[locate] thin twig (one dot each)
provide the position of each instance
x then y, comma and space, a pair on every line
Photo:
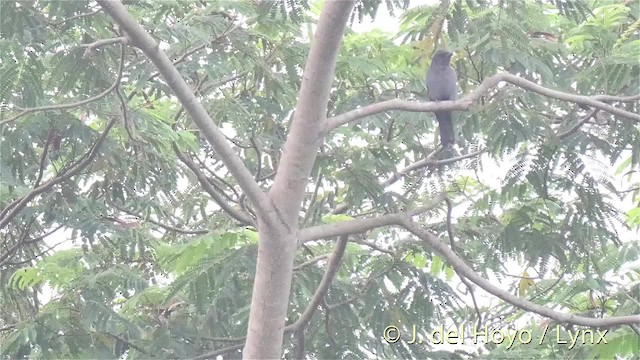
17, 205
72, 105
464, 280
104, 42
239, 215
216, 353
311, 262
579, 124
76, 17
182, 57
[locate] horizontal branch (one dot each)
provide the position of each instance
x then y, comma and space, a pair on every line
404, 220
347, 227
356, 226
465, 103
104, 42
161, 225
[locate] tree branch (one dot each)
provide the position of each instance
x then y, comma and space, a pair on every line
461, 267
65, 106
163, 226
577, 126
327, 278
361, 225
140, 38
428, 161
76, 17
464, 280
465, 103
182, 57
16, 206
216, 353
311, 262
104, 42
374, 246
309, 119
241, 216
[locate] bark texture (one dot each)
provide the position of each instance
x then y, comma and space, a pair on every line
277, 246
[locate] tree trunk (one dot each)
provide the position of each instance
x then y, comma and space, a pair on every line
278, 241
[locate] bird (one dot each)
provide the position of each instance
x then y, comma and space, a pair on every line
441, 82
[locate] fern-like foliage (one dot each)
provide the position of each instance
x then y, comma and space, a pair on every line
134, 256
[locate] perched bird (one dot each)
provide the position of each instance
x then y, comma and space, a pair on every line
441, 83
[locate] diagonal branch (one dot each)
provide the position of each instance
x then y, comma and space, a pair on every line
182, 57
239, 215
8, 253
140, 38
404, 219
318, 296
462, 268
11, 210
329, 274
425, 162
579, 124
310, 262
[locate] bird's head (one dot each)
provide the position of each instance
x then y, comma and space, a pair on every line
442, 57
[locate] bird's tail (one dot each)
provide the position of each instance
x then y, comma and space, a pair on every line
445, 121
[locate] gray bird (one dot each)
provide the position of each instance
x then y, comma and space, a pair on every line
441, 83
